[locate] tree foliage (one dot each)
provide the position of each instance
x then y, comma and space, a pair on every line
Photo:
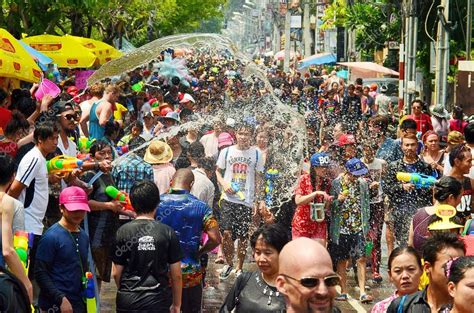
138, 20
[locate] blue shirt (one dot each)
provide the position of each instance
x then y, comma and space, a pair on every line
189, 217
130, 170
57, 247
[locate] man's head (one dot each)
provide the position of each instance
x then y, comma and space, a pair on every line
7, 169
461, 158
196, 151
416, 107
112, 93
409, 145
244, 134
378, 125
306, 278
437, 251
74, 205
408, 126
183, 179
46, 137
144, 197
66, 115
469, 133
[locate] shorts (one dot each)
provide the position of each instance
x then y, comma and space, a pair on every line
349, 247
236, 218
31, 266
192, 299
103, 263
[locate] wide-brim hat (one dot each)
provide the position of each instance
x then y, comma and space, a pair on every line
165, 105
171, 116
158, 152
439, 111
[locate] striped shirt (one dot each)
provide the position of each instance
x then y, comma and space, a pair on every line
32, 173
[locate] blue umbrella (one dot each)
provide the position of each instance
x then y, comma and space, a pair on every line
317, 59
39, 57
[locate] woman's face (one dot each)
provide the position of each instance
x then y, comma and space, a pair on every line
405, 273
463, 292
432, 142
104, 154
262, 140
266, 257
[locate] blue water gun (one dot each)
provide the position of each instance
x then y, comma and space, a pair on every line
419, 180
236, 189
270, 177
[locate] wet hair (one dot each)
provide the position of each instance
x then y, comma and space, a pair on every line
7, 168
110, 128
458, 113
409, 136
380, 121
359, 81
98, 145
446, 186
112, 89
18, 122
459, 267
97, 90
244, 125
408, 124
25, 105
417, 101
401, 250
135, 143
144, 197
427, 134
45, 130
138, 124
469, 133
196, 150
435, 218
209, 164
458, 153
273, 234
438, 242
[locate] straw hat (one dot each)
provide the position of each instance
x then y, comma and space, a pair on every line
158, 152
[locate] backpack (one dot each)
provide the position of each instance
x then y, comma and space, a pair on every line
13, 295
232, 300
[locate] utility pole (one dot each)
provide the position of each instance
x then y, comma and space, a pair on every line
286, 62
410, 43
316, 29
442, 54
469, 30
306, 30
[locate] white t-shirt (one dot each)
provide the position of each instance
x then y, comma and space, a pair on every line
382, 102
375, 172
71, 151
32, 169
203, 188
240, 168
210, 143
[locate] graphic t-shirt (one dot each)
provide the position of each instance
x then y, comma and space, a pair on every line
145, 248
32, 173
241, 167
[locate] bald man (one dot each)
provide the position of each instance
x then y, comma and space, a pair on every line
189, 217
306, 278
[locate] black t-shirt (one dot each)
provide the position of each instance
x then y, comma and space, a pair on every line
145, 248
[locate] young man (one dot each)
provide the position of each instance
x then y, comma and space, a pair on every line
243, 194
350, 213
306, 278
31, 183
145, 252
61, 258
460, 159
13, 219
189, 217
203, 188
437, 251
405, 199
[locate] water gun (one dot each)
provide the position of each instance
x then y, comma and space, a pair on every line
62, 164
91, 304
270, 178
419, 180
236, 189
22, 243
119, 196
84, 144
122, 149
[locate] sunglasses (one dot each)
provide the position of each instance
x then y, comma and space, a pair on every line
311, 282
70, 117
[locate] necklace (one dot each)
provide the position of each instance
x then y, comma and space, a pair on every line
266, 289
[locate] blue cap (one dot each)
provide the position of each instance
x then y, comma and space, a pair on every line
320, 159
356, 167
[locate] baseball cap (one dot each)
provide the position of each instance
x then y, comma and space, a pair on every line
356, 167
224, 140
320, 159
346, 139
74, 199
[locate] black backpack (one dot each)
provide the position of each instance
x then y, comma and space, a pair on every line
13, 295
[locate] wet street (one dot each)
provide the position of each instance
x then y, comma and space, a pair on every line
216, 291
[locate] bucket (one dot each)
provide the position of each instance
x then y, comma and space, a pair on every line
47, 87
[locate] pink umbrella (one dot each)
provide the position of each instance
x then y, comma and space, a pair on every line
280, 55
368, 69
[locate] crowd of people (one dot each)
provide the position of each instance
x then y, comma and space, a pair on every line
122, 181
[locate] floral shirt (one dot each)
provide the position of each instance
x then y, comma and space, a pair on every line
382, 306
351, 221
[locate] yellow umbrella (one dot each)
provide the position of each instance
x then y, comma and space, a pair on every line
65, 51
15, 61
103, 51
